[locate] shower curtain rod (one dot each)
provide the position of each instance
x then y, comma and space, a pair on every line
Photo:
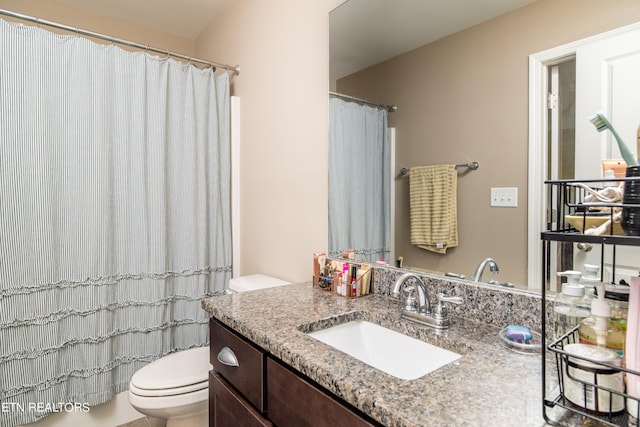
147, 48
389, 108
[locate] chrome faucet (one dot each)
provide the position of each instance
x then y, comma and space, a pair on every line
421, 310
423, 304
493, 266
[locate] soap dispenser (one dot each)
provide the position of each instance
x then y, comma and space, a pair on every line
598, 329
571, 306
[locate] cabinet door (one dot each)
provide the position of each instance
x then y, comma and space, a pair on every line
227, 408
294, 402
247, 376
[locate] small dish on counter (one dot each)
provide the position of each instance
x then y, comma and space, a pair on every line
522, 344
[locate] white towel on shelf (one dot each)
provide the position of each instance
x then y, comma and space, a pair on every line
433, 207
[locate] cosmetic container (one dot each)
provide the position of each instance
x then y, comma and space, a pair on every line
580, 376
618, 298
342, 277
345, 280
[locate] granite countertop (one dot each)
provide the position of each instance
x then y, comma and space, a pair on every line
489, 385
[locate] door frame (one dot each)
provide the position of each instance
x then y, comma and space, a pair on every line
538, 128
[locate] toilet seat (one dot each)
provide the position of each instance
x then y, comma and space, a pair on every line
178, 373
168, 391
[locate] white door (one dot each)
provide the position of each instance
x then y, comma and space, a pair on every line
607, 80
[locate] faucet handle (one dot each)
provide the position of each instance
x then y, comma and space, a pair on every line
453, 300
440, 311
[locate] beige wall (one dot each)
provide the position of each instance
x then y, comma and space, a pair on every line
282, 47
465, 98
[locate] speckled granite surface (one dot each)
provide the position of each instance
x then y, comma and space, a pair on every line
489, 386
493, 305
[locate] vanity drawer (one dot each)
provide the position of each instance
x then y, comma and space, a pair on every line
295, 402
248, 377
228, 408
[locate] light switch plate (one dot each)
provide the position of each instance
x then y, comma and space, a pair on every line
504, 197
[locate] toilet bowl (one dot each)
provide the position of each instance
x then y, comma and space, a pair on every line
175, 387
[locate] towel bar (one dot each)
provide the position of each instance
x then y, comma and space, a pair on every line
472, 166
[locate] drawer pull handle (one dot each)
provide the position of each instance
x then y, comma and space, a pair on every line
226, 356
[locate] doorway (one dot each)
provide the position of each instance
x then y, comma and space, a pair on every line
619, 51
561, 152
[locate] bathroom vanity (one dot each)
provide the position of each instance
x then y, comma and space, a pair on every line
252, 388
286, 377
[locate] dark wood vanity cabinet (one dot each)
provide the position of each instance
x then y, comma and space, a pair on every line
262, 391
292, 401
237, 394
249, 376
228, 408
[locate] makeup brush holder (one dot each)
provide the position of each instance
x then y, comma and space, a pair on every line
630, 221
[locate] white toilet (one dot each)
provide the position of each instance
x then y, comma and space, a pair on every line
253, 282
176, 387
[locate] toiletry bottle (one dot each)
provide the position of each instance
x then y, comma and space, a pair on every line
618, 298
345, 279
598, 329
354, 281
571, 306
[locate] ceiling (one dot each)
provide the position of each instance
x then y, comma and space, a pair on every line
362, 32
184, 18
367, 32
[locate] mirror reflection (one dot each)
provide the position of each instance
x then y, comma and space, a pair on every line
463, 97
359, 180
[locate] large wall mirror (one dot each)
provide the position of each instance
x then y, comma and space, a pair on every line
464, 96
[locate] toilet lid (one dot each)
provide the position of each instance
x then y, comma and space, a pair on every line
177, 370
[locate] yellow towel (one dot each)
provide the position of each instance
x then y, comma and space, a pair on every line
433, 206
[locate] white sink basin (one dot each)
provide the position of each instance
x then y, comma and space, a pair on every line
389, 351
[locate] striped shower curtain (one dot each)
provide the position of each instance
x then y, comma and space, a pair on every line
359, 188
114, 216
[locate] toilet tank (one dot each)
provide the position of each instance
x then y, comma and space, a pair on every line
253, 282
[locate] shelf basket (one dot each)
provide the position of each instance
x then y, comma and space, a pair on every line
571, 213
588, 387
